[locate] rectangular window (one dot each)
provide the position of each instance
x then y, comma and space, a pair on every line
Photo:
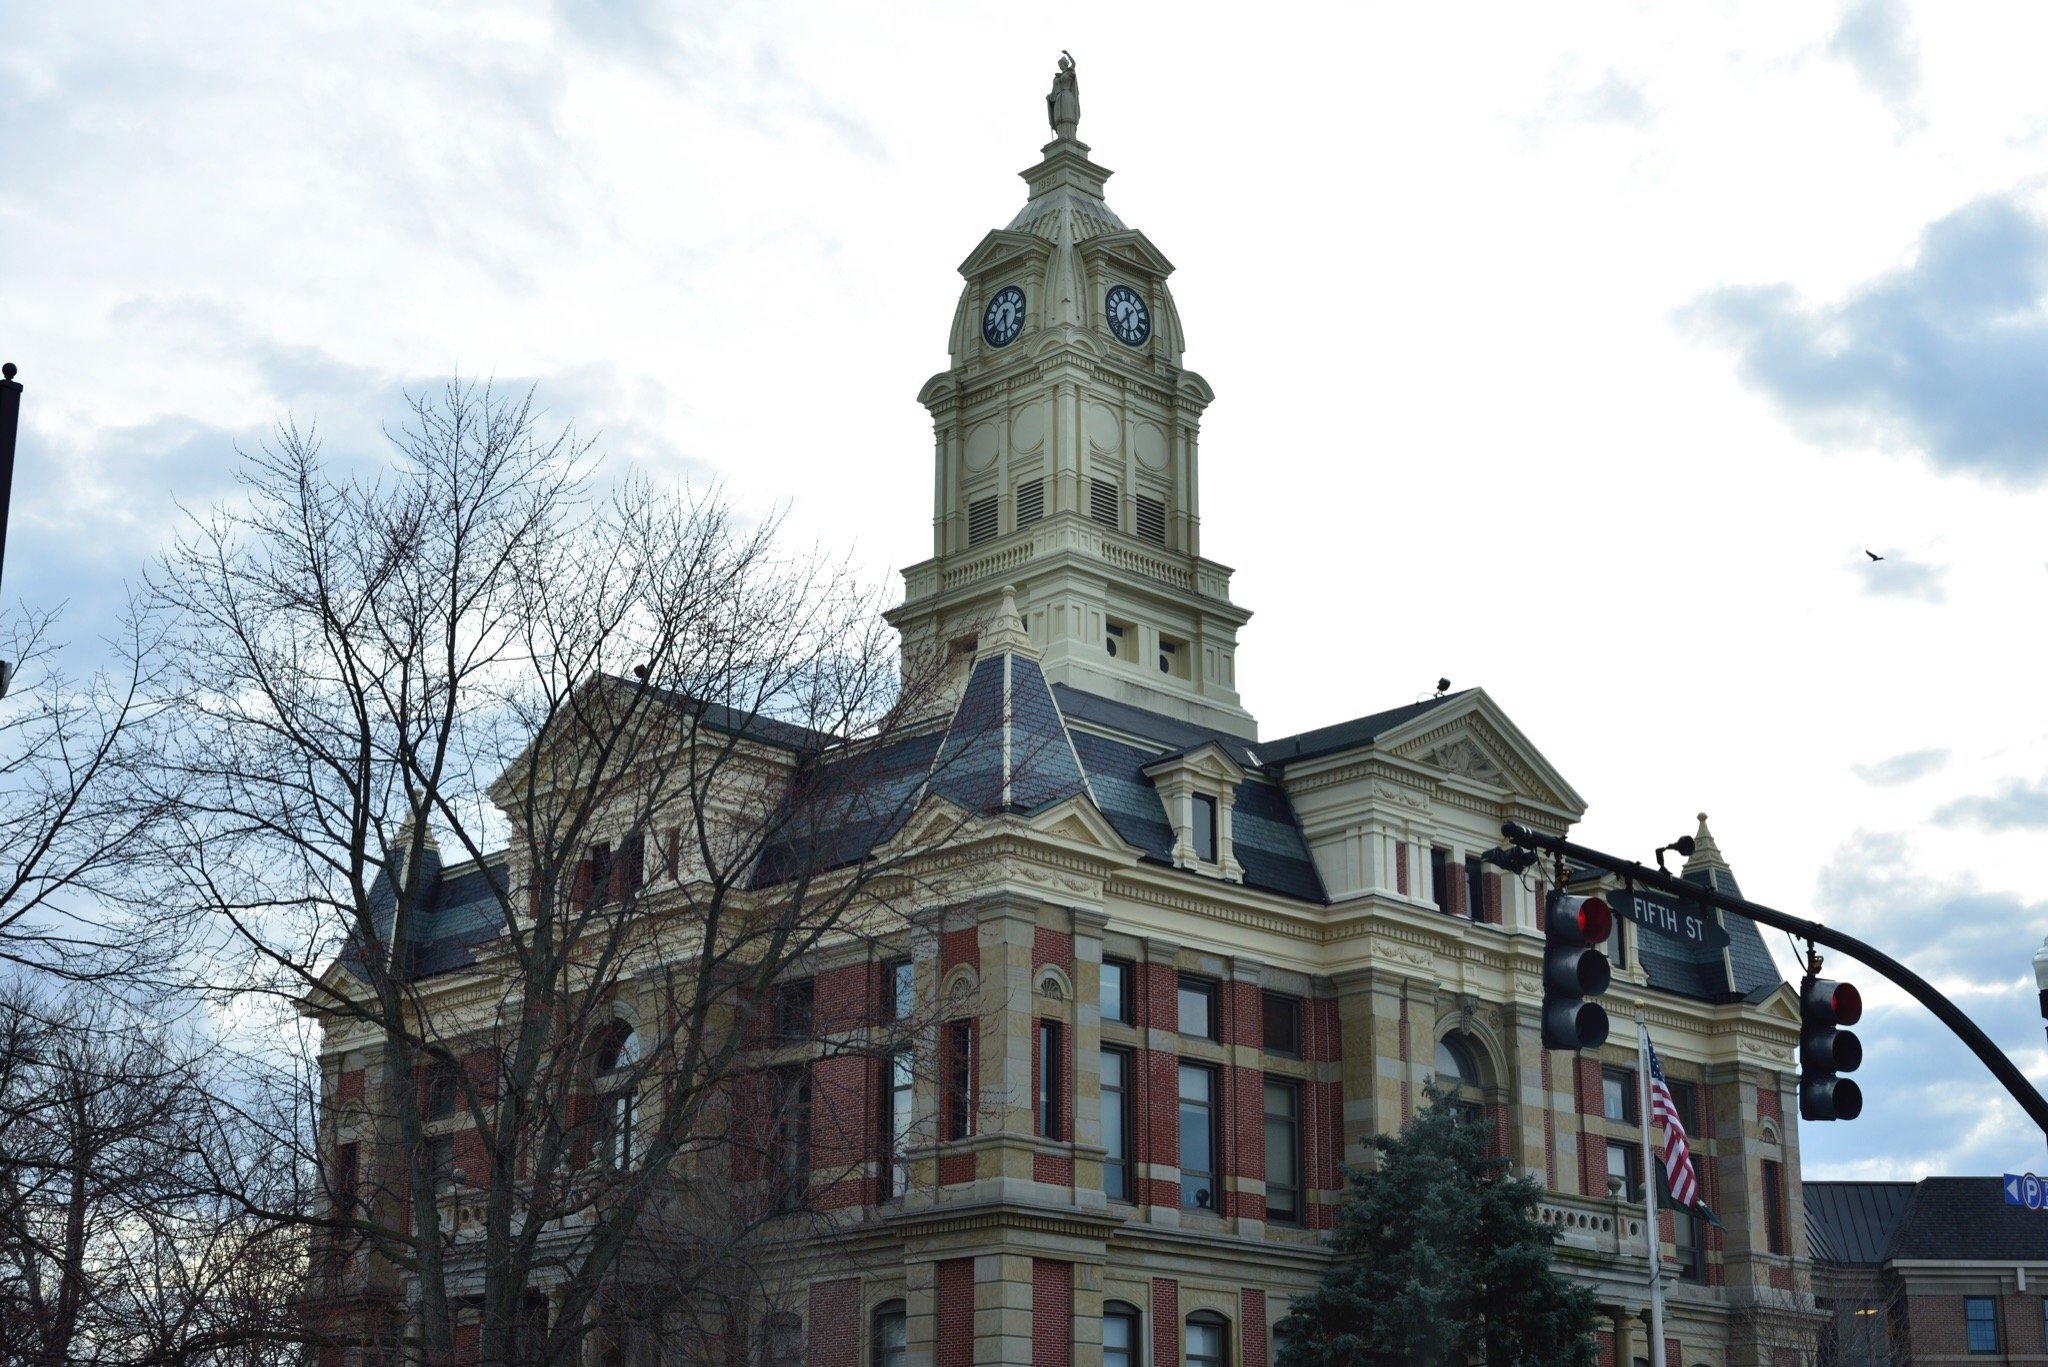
792, 1011
1774, 1206
790, 1150
1116, 639
901, 976
1980, 1323
981, 520
441, 1159
1618, 1094
1205, 828
1102, 501
601, 872
1030, 502
1198, 1008
901, 1081
1623, 1161
1283, 1150
958, 1064
1198, 1136
1475, 887
346, 1181
1280, 1024
1119, 1338
1116, 1125
1692, 1251
1048, 1081
1685, 1097
1173, 657
1440, 879
1116, 991
443, 1090
1151, 519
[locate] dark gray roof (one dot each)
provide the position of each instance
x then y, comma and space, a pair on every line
459, 909
1852, 1222
748, 725
1347, 735
1265, 836
1967, 1219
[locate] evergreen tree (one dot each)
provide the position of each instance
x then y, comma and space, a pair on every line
1440, 1259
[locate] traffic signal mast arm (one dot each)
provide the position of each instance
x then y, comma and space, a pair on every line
1814, 932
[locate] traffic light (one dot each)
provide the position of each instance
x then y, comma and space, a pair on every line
1826, 1049
1574, 929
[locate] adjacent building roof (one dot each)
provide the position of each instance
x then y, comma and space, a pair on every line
1852, 1222
1937, 1219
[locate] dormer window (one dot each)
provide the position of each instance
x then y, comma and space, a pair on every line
1198, 789
1204, 833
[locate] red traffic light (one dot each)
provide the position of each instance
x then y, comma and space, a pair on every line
1596, 922
1848, 1004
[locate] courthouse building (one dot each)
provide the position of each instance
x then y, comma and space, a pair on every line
1198, 967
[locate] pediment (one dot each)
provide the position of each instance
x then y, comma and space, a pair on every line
1473, 741
1208, 760
1078, 822
1001, 248
1130, 247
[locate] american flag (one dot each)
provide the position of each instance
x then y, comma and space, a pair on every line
1685, 1186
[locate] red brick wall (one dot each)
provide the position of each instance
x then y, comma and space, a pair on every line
843, 998
1252, 1320
1052, 1313
1401, 886
1767, 1107
1490, 911
1325, 1042
1049, 946
958, 947
1158, 1129
1322, 1147
1604, 1340
1455, 875
1244, 1138
955, 1347
1936, 1325
1592, 1147
1158, 997
348, 1086
1242, 1021
1165, 1322
957, 1169
834, 1328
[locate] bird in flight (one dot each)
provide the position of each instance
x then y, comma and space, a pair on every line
1873, 554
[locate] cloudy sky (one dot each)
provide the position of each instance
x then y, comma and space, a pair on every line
1576, 352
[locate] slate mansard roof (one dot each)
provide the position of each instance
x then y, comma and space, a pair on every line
1937, 1219
1015, 745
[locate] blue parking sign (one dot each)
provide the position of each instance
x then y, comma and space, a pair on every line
2025, 1189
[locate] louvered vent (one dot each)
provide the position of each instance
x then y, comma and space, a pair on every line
1152, 519
1102, 501
981, 520
1030, 502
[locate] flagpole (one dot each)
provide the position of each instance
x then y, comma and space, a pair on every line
1650, 1236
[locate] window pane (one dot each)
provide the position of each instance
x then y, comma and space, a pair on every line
903, 990
1116, 991
1281, 1024
1621, 1162
1205, 828
1197, 1000
1116, 1158
1049, 1060
1119, 1340
1440, 878
892, 1341
1205, 1344
1981, 1324
902, 1090
1618, 1094
1197, 1137
1283, 1151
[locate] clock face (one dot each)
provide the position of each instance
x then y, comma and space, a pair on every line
1003, 319
1129, 319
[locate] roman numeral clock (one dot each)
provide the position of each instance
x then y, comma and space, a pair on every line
1130, 322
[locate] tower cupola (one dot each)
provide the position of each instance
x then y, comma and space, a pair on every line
1066, 455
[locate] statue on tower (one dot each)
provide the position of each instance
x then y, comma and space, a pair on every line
1063, 104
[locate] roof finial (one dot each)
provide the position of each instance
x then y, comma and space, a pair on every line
1006, 632
1705, 853
1063, 103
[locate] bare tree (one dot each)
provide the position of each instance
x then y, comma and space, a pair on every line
532, 794
72, 814
115, 1243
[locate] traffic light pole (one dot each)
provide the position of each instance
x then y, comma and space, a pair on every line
1813, 932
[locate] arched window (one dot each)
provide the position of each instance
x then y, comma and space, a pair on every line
1208, 1340
1120, 1344
891, 1335
618, 1094
1458, 1075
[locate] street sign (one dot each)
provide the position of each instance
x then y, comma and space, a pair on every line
1696, 926
2025, 1189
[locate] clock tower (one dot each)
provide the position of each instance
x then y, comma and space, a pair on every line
1066, 458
